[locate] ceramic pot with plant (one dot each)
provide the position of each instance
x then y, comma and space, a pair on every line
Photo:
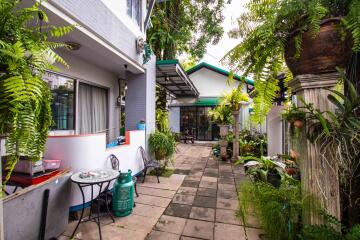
295, 116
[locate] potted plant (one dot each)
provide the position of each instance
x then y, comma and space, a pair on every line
235, 98
263, 169
162, 145
221, 115
295, 116
310, 36
141, 125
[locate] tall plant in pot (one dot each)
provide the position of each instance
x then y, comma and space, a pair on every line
26, 53
162, 145
222, 115
314, 36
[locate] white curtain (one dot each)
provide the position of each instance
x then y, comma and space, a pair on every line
92, 109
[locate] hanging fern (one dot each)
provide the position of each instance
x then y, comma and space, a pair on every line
265, 28
25, 99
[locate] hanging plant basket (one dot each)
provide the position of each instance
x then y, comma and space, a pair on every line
321, 54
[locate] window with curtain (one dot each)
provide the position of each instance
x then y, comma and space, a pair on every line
92, 109
134, 10
63, 105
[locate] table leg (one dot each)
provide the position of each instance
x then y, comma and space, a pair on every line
91, 202
98, 211
106, 202
82, 211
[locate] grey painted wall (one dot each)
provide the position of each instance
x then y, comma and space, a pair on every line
96, 16
140, 98
22, 212
174, 119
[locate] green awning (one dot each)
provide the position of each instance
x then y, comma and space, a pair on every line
207, 102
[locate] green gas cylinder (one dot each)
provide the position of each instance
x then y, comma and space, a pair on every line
123, 195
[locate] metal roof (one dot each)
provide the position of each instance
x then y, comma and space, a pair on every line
171, 76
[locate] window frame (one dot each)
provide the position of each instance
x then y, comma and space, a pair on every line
75, 82
139, 21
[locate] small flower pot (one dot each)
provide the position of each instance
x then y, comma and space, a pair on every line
298, 123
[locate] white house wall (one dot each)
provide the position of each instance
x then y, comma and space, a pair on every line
84, 71
274, 130
210, 83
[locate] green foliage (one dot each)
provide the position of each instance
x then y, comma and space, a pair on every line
180, 26
277, 209
221, 114
162, 144
293, 113
25, 99
162, 120
253, 143
164, 172
235, 97
265, 28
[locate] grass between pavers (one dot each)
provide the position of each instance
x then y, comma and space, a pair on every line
164, 172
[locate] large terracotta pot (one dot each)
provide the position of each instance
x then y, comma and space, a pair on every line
321, 54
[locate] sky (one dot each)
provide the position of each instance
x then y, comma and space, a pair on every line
216, 52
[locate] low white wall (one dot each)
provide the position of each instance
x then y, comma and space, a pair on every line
89, 152
274, 131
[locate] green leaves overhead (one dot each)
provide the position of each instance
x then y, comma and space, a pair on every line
264, 30
25, 99
185, 26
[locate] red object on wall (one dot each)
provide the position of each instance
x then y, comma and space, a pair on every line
26, 180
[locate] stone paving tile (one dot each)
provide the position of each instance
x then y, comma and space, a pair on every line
148, 210
209, 179
227, 204
226, 194
157, 235
183, 199
200, 213
226, 216
227, 187
206, 192
210, 172
153, 200
156, 192
135, 222
182, 171
204, 184
188, 238
198, 229
226, 180
190, 184
198, 174
170, 224
109, 231
178, 210
187, 190
229, 232
207, 202
226, 174
193, 178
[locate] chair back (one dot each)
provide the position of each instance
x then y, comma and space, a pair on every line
115, 163
143, 155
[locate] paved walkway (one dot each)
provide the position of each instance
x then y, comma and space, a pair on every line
205, 204
197, 202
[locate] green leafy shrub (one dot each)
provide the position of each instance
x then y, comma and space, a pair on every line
252, 143
221, 114
162, 144
25, 54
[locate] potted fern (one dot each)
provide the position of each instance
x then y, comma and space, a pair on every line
221, 115
314, 36
294, 116
235, 97
25, 106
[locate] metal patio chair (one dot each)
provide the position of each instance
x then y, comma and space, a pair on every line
115, 164
148, 164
